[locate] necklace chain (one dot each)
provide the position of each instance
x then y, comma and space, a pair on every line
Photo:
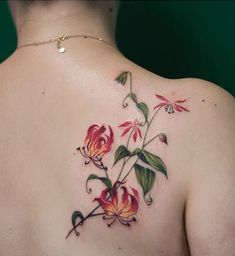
62, 38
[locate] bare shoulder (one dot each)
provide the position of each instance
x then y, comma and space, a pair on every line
212, 108
213, 115
209, 208
209, 128
209, 205
208, 92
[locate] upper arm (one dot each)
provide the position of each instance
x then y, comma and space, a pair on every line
210, 206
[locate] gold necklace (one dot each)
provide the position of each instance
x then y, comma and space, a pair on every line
62, 38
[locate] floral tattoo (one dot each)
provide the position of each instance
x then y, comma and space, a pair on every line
118, 202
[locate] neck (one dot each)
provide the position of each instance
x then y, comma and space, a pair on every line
40, 21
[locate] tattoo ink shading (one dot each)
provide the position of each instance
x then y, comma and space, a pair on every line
118, 202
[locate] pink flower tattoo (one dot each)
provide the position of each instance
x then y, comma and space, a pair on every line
133, 126
170, 106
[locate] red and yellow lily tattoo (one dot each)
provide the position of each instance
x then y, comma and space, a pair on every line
123, 211
97, 143
119, 201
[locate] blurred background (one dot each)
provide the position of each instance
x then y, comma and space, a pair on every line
173, 39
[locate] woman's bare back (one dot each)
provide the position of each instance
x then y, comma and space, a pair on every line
46, 109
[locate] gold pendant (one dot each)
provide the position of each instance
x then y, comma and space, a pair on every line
59, 47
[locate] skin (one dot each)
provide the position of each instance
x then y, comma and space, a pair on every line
47, 102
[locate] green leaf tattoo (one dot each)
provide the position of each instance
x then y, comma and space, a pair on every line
144, 108
136, 151
76, 215
154, 161
121, 152
105, 180
132, 96
145, 178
